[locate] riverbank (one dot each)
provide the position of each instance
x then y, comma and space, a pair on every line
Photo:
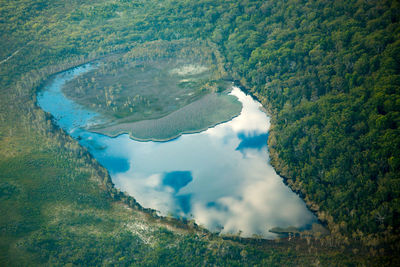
279, 165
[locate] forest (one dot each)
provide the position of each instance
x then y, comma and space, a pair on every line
328, 72
332, 82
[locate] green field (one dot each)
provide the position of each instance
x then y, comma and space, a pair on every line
131, 88
156, 91
206, 112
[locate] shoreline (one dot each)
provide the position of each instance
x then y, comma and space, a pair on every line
150, 139
117, 195
275, 160
116, 129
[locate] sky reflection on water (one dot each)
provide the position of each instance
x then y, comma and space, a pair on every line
220, 177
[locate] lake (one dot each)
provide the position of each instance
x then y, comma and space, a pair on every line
220, 177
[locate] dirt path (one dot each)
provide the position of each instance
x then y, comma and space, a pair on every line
13, 54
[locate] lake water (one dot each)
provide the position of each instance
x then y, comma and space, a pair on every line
220, 177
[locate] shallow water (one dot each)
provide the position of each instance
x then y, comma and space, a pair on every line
220, 177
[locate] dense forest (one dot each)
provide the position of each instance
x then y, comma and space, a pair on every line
327, 71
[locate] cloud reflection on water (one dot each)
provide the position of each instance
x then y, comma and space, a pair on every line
220, 176
232, 185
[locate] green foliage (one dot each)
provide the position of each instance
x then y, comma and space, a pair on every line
206, 112
128, 87
329, 74
327, 70
156, 91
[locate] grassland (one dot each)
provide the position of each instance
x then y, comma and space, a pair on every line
194, 117
166, 90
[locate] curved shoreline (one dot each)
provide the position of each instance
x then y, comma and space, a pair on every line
274, 158
207, 112
117, 195
166, 139
105, 180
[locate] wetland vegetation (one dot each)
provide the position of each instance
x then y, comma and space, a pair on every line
156, 91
